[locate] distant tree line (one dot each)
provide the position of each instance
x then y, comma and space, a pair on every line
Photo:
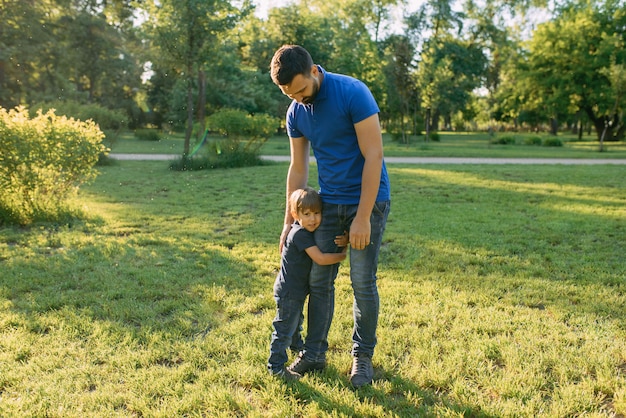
464, 65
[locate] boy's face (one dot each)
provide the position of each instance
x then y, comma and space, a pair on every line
309, 219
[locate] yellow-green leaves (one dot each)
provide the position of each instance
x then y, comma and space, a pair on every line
42, 161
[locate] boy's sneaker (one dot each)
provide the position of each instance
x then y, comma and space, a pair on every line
285, 374
362, 371
301, 365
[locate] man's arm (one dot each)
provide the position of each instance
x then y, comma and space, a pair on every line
370, 141
297, 178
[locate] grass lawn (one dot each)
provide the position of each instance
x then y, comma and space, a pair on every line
450, 145
502, 290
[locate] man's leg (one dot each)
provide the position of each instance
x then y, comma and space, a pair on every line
363, 268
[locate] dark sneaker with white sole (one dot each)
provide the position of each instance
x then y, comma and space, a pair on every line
362, 371
301, 365
285, 374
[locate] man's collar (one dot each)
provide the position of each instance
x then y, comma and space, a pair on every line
322, 92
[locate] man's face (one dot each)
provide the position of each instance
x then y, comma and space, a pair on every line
303, 89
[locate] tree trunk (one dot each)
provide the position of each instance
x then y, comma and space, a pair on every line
427, 124
435, 121
2, 77
598, 123
554, 126
189, 129
201, 99
607, 129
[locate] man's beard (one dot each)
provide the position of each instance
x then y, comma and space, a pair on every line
316, 88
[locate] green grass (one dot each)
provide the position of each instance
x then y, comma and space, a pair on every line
502, 295
451, 145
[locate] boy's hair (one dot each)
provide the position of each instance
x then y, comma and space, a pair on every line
304, 199
289, 61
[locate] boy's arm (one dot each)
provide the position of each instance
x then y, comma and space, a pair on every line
325, 259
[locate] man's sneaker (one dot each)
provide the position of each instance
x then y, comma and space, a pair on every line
301, 365
285, 374
362, 371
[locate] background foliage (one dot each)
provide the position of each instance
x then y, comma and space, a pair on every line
494, 64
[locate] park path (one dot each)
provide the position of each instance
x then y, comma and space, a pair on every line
410, 160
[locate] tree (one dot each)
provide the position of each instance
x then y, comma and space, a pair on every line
23, 38
186, 33
617, 77
56, 50
568, 61
450, 67
401, 94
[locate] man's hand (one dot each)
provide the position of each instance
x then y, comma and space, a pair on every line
360, 233
283, 237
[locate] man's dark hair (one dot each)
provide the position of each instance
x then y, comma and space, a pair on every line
288, 62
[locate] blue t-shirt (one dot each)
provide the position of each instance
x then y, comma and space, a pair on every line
328, 124
295, 264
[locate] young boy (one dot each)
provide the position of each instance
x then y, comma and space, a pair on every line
291, 287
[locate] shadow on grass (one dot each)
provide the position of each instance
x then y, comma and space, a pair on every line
545, 238
388, 391
150, 287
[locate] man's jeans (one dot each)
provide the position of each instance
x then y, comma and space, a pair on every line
363, 265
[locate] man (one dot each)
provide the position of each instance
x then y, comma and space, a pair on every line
338, 116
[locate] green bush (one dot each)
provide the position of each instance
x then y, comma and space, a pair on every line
106, 119
42, 162
243, 134
552, 142
532, 140
434, 136
111, 122
221, 154
247, 131
147, 135
503, 140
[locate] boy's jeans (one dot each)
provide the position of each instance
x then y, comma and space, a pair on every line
363, 265
286, 329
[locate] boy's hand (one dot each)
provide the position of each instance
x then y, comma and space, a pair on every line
342, 240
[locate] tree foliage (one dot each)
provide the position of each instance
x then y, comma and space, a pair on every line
565, 68
172, 63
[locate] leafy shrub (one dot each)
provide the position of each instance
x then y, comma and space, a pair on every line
227, 160
532, 140
503, 140
240, 127
552, 142
244, 135
43, 160
106, 119
434, 136
147, 135
221, 154
111, 122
